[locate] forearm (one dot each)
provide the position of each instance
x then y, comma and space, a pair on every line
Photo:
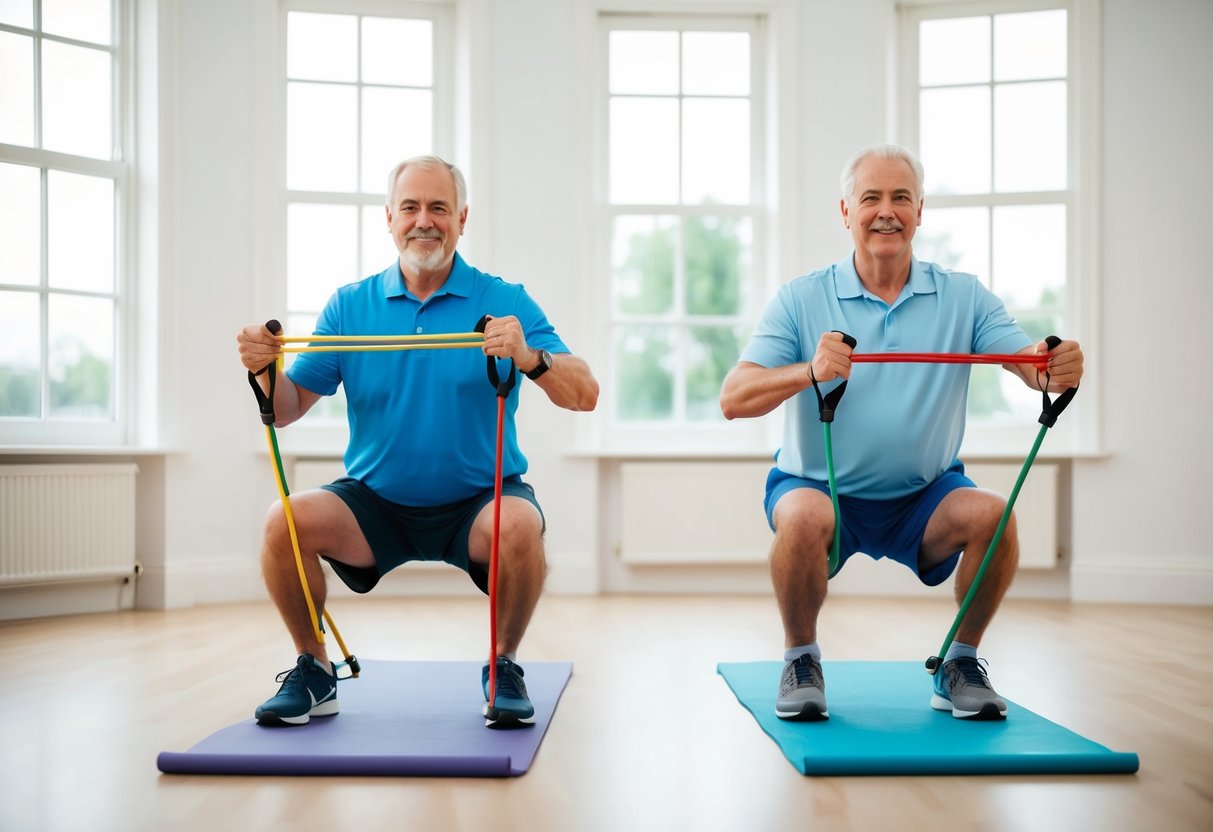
569, 383
751, 390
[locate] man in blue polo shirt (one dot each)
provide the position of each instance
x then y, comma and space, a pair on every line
422, 448
903, 492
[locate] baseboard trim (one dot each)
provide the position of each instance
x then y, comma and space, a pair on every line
1182, 583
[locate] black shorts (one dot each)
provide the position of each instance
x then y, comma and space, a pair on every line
398, 534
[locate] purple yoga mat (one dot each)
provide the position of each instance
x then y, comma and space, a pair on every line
397, 718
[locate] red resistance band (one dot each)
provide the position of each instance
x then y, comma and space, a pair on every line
1041, 362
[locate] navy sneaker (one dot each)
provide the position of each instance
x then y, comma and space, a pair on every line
802, 691
307, 690
511, 708
962, 687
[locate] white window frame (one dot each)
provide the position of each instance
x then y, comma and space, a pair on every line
1077, 432
610, 436
46, 430
329, 437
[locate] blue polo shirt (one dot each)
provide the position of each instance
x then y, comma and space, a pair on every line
898, 426
423, 423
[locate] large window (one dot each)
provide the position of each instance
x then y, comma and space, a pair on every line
682, 221
364, 89
64, 285
990, 100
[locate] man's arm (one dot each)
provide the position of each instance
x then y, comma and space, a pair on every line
569, 383
258, 348
1065, 366
753, 390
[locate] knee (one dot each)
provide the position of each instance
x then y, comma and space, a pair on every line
276, 532
522, 535
803, 526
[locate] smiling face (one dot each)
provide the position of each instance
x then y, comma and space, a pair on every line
424, 219
883, 210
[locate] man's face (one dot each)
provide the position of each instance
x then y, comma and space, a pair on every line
422, 218
884, 210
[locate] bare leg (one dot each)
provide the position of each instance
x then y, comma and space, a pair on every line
966, 521
804, 530
324, 523
521, 566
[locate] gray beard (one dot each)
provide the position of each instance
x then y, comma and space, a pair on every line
423, 262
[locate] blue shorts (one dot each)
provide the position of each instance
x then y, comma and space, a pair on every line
882, 528
398, 534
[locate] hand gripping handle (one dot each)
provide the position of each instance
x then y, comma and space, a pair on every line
828, 403
265, 403
1052, 408
503, 387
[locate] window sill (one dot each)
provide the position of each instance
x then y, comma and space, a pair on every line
82, 450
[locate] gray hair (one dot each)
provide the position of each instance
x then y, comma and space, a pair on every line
884, 151
431, 163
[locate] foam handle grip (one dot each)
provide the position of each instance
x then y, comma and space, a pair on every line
1052, 341
273, 326
849, 340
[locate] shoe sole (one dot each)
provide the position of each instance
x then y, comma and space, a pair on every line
809, 712
500, 718
329, 708
988, 712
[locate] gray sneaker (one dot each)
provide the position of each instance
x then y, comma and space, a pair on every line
962, 687
802, 691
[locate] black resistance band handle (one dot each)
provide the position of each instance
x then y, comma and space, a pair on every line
1051, 409
828, 403
266, 403
503, 388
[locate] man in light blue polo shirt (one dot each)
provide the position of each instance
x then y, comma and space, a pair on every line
903, 492
421, 457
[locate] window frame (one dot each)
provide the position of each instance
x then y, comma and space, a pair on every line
609, 434
330, 436
1078, 433
120, 429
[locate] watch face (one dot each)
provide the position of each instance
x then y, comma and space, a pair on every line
545, 364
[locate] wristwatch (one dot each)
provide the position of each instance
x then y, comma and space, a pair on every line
545, 364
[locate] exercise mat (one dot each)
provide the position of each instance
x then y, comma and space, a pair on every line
881, 723
397, 718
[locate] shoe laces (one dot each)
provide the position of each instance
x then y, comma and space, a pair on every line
509, 680
807, 671
971, 671
295, 674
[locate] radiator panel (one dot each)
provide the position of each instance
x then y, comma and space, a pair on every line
66, 523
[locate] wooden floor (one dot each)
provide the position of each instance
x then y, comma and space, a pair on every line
646, 737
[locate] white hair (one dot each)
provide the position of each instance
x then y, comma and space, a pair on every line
884, 151
431, 163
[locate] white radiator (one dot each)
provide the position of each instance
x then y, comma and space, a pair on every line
66, 523
693, 512
711, 512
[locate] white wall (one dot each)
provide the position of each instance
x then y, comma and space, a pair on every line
1132, 517
1139, 521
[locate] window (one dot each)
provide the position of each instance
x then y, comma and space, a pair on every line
990, 102
682, 222
364, 89
64, 284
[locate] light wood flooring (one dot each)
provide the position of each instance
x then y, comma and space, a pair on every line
646, 737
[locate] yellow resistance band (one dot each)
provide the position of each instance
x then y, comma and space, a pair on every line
381, 343
333, 343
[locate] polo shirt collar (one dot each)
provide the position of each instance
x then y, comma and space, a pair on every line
458, 282
921, 281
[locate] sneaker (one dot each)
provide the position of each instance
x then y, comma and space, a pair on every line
802, 691
307, 690
962, 687
511, 708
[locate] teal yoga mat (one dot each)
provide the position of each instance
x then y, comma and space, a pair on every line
881, 723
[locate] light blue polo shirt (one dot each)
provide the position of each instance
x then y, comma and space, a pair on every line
898, 426
423, 423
